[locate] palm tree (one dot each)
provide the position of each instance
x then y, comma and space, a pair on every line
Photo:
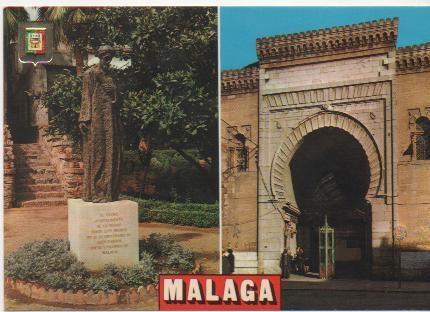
71, 26
11, 17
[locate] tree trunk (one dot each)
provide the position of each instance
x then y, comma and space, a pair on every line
79, 57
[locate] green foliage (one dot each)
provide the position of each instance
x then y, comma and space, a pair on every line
63, 100
143, 273
168, 93
37, 259
75, 277
170, 256
50, 262
201, 215
174, 178
104, 283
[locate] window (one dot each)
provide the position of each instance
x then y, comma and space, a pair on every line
422, 138
422, 147
238, 151
242, 158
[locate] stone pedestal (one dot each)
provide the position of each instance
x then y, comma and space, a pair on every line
101, 233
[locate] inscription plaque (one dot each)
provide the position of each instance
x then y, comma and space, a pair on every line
101, 233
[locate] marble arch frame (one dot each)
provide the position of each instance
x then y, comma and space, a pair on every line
280, 174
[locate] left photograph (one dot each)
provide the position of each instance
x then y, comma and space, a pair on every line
110, 153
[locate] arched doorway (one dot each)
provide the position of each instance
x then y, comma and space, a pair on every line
331, 176
328, 162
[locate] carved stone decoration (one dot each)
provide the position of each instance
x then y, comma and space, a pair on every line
414, 114
100, 125
281, 183
318, 96
239, 81
413, 58
328, 41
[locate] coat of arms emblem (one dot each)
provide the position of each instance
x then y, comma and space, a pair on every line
35, 42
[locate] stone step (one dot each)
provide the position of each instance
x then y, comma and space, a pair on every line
36, 176
61, 201
31, 158
54, 187
30, 150
33, 161
21, 196
36, 180
36, 169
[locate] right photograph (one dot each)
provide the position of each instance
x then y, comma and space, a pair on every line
325, 152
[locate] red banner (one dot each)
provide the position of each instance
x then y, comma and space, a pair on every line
219, 292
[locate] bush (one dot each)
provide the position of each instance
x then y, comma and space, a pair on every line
104, 283
169, 255
201, 215
38, 259
50, 262
75, 277
174, 178
63, 99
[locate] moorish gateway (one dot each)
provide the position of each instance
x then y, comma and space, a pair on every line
326, 151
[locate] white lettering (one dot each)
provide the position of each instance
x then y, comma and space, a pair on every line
194, 292
229, 291
210, 295
247, 294
265, 291
173, 289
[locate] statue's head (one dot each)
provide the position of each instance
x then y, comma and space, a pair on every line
105, 53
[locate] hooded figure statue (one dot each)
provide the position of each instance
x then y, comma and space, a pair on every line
100, 125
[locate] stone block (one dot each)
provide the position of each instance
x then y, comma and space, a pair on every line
101, 233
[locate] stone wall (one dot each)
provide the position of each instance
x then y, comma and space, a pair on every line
9, 169
68, 164
239, 114
295, 99
413, 101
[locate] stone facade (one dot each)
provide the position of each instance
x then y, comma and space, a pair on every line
240, 117
349, 78
413, 102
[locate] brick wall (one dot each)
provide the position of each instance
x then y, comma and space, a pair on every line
413, 100
9, 168
239, 189
68, 164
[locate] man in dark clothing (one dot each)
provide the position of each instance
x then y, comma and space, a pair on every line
230, 257
285, 263
226, 266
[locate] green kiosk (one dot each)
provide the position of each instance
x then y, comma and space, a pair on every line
326, 251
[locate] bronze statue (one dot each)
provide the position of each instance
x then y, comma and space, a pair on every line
99, 123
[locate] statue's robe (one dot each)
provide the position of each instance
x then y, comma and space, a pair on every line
102, 147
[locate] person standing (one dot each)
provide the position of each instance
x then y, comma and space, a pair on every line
230, 257
285, 263
300, 260
226, 266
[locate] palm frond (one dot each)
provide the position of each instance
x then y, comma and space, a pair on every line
12, 16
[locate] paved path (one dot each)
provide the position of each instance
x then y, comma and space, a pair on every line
297, 282
353, 300
22, 225
306, 293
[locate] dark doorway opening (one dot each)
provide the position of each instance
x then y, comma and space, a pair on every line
331, 176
